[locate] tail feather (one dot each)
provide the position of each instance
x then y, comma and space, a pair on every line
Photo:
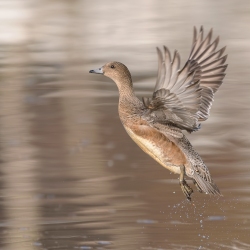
206, 186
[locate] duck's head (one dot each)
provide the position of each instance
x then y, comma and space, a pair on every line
116, 71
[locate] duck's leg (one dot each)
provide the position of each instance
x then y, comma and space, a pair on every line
197, 186
184, 186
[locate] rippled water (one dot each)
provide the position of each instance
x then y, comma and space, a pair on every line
70, 176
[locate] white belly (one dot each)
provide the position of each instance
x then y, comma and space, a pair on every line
152, 150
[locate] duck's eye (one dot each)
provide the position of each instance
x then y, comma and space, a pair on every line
112, 66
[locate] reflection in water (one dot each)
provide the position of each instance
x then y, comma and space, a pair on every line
71, 178
20, 209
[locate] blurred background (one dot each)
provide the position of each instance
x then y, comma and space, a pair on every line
70, 177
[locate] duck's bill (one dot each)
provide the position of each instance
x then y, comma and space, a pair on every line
96, 71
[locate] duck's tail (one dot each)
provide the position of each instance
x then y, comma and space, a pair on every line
206, 186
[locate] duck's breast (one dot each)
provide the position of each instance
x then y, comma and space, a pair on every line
158, 146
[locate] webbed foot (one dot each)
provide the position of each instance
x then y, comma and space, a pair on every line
184, 186
197, 186
186, 189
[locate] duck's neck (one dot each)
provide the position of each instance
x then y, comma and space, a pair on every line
129, 104
126, 92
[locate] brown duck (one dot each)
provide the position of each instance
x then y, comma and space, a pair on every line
182, 98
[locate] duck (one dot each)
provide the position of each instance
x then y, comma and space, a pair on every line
181, 100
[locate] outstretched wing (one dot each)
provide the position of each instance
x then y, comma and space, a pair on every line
183, 97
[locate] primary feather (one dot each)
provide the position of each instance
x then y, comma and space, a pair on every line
183, 97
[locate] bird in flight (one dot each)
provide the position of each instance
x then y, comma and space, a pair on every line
182, 98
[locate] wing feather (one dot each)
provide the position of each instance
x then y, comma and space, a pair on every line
168, 67
183, 97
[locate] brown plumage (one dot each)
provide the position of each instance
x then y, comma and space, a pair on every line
182, 98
